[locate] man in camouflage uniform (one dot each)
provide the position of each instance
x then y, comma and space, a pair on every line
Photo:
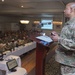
65, 53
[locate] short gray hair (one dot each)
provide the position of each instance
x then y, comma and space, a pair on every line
72, 5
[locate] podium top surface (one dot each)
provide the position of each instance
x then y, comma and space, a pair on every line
44, 40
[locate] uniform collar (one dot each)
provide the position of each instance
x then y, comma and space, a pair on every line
70, 21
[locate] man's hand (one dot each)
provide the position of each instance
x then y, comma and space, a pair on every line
54, 36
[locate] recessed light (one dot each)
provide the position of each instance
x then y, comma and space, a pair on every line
22, 6
2, 0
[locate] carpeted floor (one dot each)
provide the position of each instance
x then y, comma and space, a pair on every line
52, 67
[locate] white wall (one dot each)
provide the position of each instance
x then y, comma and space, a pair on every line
8, 23
14, 26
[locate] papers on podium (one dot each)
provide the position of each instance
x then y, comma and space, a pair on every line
45, 40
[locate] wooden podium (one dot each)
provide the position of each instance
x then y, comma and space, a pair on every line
41, 51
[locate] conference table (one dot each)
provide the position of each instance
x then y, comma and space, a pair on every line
19, 69
15, 55
3, 65
21, 49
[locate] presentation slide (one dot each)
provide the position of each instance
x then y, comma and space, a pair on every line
47, 24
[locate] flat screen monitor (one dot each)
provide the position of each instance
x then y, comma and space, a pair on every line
47, 24
12, 64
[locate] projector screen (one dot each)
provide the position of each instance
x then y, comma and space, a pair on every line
46, 24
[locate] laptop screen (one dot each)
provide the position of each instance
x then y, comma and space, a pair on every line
11, 64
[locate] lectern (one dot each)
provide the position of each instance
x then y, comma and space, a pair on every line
41, 51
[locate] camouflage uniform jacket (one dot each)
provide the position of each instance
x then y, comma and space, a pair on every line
66, 43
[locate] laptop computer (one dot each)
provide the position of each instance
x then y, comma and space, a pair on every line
12, 64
